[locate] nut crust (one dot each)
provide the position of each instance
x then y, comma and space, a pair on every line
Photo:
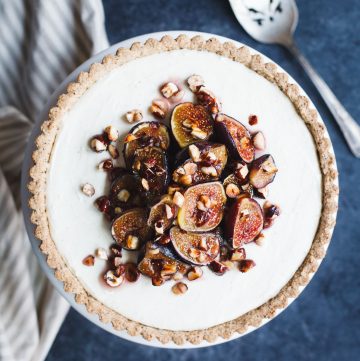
45, 142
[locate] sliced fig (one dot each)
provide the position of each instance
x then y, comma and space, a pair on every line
151, 165
244, 221
130, 229
191, 123
263, 171
235, 136
162, 215
203, 207
145, 134
158, 262
206, 163
195, 248
124, 191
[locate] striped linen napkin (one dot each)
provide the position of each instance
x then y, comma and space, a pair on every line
41, 41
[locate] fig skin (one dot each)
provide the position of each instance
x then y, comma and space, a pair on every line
194, 114
191, 219
243, 221
190, 246
155, 257
131, 222
263, 171
151, 164
235, 136
148, 134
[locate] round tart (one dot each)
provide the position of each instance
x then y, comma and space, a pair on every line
70, 227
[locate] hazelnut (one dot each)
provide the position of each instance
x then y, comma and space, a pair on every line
194, 152
186, 180
228, 264
172, 189
207, 98
206, 200
106, 165
157, 281
123, 195
178, 199
187, 123
169, 89
89, 261
203, 244
181, 171
177, 276
259, 141
132, 242
253, 119
154, 251
179, 288
101, 253
190, 168
195, 82
159, 227
238, 254
259, 240
198, 133
112, 133
201, 206
245, 265
159, 108
117, 263
241, 172
169, 212
114, 153
112, 279
194, 273
211, 157
116, 249
168, 269
209, 171
145, 184
134, 115
232, 190
119, 268
97, 145
117, 210
88, 189
194, 253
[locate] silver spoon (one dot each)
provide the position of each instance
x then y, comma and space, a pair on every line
274, 22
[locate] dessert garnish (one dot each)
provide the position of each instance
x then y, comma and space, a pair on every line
189, 196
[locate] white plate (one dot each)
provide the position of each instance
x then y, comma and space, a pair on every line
25, 194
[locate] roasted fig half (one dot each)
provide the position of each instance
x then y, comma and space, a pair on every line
195, 248
162, 215
191, 123
206, 163
235, 136
151, 165
243, 222
158, 262
263, 171
145, 134
203, 207
130, 229
124, 191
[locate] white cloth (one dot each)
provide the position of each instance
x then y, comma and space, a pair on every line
41, 41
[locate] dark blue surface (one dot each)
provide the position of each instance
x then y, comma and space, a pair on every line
324, 322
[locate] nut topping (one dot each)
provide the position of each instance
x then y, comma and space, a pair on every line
101, 253
238, 254
159, 227
132, 242
178, 199
232, 190
259, 240
169, 89
98, 145
145, 184
169, 212
186, 180
89, 261
209, 171
114, 153
195, 82
123, 195
159, 108
88, 189
112, 133
168, 269
253, 119
106, 165
190, 168
179, 288
134, 115
198, 133
116, 249
194, 273
207, 98
177, 276
112, 279
201, 206
245, 265
157, 281
259, 141
194, 152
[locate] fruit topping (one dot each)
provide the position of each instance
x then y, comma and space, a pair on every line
89, 261
194, 273
179, 288
151, 165
208, 99
243, 222
191, 123
263, 171
195, 248
134, 115
206, 163
245, 265
112, 279
162, 215
178, 199
159, 108
259, 141
130, 229
195, 82
235, 136
203, 206
145, 134
253, 119
88, 189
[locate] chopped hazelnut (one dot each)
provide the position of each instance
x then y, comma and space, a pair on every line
112, 279
145, 184
88, 189
187, 124
259, 240
177, 276
178, 199
98, 145
159, 108
206, 200
253, 119
195, 82
232, 190
186, 180
201, 206
112, 133
172, 189
168, 269
179, 288
101, 253
89, 261
169, 89
114, 153
194, 152
134, 115
238, 254
190, 168
194, 273
169, 212
132, 242
203, 244
209, 171
106, 165
245, 265
259, 141
123, 195
198, 133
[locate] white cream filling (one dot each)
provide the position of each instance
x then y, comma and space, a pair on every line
78, 228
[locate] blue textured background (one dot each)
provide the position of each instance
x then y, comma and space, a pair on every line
324, 323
